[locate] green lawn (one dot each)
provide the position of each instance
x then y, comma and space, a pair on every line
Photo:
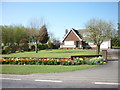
30, 69
51, 53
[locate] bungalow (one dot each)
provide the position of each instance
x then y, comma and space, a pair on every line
75, 39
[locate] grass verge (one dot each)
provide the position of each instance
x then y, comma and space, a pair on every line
51, 53
30, 69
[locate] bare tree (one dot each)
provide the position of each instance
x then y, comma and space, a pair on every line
34, 31
51, 36
99, 30
36, 23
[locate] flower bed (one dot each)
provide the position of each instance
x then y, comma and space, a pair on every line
54, 61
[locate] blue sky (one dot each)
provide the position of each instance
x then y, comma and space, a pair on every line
58, 15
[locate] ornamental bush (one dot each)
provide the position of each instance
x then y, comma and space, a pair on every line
95, 60
6, 50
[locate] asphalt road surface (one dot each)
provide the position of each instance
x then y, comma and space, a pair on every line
103, 76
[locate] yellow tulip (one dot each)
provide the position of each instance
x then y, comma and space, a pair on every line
104, 62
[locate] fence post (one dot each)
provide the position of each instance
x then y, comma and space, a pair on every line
104, 54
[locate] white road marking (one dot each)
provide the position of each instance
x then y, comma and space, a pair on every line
48, 81
107, 83
10, 78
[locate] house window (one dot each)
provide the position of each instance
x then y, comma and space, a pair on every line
69, 43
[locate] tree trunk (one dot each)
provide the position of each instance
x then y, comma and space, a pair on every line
98, 49
36, 50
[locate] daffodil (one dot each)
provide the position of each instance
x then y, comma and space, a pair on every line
104, 62
81, 59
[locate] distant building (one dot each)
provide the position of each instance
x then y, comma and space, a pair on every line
75, 39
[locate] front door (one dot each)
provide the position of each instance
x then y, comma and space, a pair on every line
78, 44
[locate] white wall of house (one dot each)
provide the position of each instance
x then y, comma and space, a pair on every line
106, 44
68, 42
67, 46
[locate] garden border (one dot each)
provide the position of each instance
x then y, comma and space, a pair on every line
81, 56
73, 60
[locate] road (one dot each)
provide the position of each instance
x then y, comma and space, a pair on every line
103, 76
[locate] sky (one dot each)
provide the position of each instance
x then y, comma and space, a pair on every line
58, 15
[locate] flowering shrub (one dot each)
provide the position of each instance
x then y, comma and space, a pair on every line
53, 61
79, 61
90, 60
96, 60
